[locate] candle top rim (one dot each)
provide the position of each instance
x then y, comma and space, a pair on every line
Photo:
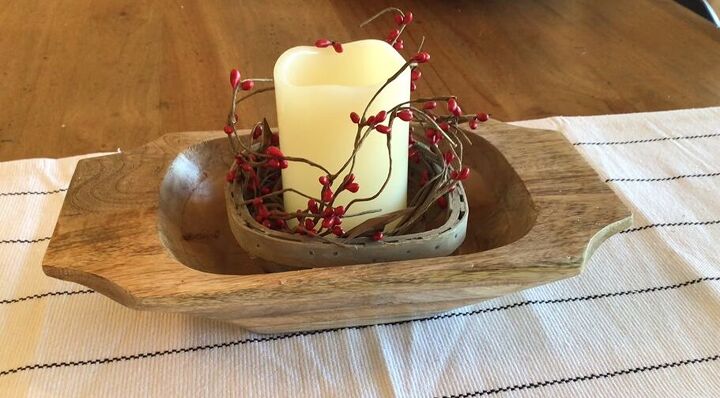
369, 52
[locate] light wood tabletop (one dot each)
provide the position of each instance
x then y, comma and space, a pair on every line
86, 76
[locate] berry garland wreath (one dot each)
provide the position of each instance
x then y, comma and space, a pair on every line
438, 132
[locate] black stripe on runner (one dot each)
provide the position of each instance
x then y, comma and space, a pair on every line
635, 229
47, 294
33, 192
287, 336
662, 178
687, 137
592, 376
670, 224
25, 240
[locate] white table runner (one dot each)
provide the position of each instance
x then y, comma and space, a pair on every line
642, 320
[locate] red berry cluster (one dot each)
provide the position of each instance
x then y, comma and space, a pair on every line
328, 219
437, 128
373, 121
321, 216
235, 77
237, 83
259, 175
276, 159
401, 20
415, 74
480, 117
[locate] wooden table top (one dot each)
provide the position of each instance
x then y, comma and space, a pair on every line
83, 76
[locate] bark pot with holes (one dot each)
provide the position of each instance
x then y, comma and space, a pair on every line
441, 233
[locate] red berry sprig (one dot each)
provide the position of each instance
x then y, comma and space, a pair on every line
405, 115
381, 128
350, 184
338, 231
480, 117
393, 35
313, 206
461, 175
415, 74
274, 152
402, 20
430, 105
408, 18
234, 78
421, 57
354, 117
327, 195
247, 85
453, 107
323, 43
433, 136
353, 187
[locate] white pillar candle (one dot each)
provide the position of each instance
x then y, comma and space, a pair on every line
316, 89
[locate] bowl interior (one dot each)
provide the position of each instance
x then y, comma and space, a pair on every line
194, 226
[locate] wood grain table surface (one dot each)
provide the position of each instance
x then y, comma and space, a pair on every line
715, 5
80, 76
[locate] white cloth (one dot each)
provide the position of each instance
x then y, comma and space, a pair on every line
642, 320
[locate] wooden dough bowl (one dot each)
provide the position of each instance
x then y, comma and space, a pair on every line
148, 228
